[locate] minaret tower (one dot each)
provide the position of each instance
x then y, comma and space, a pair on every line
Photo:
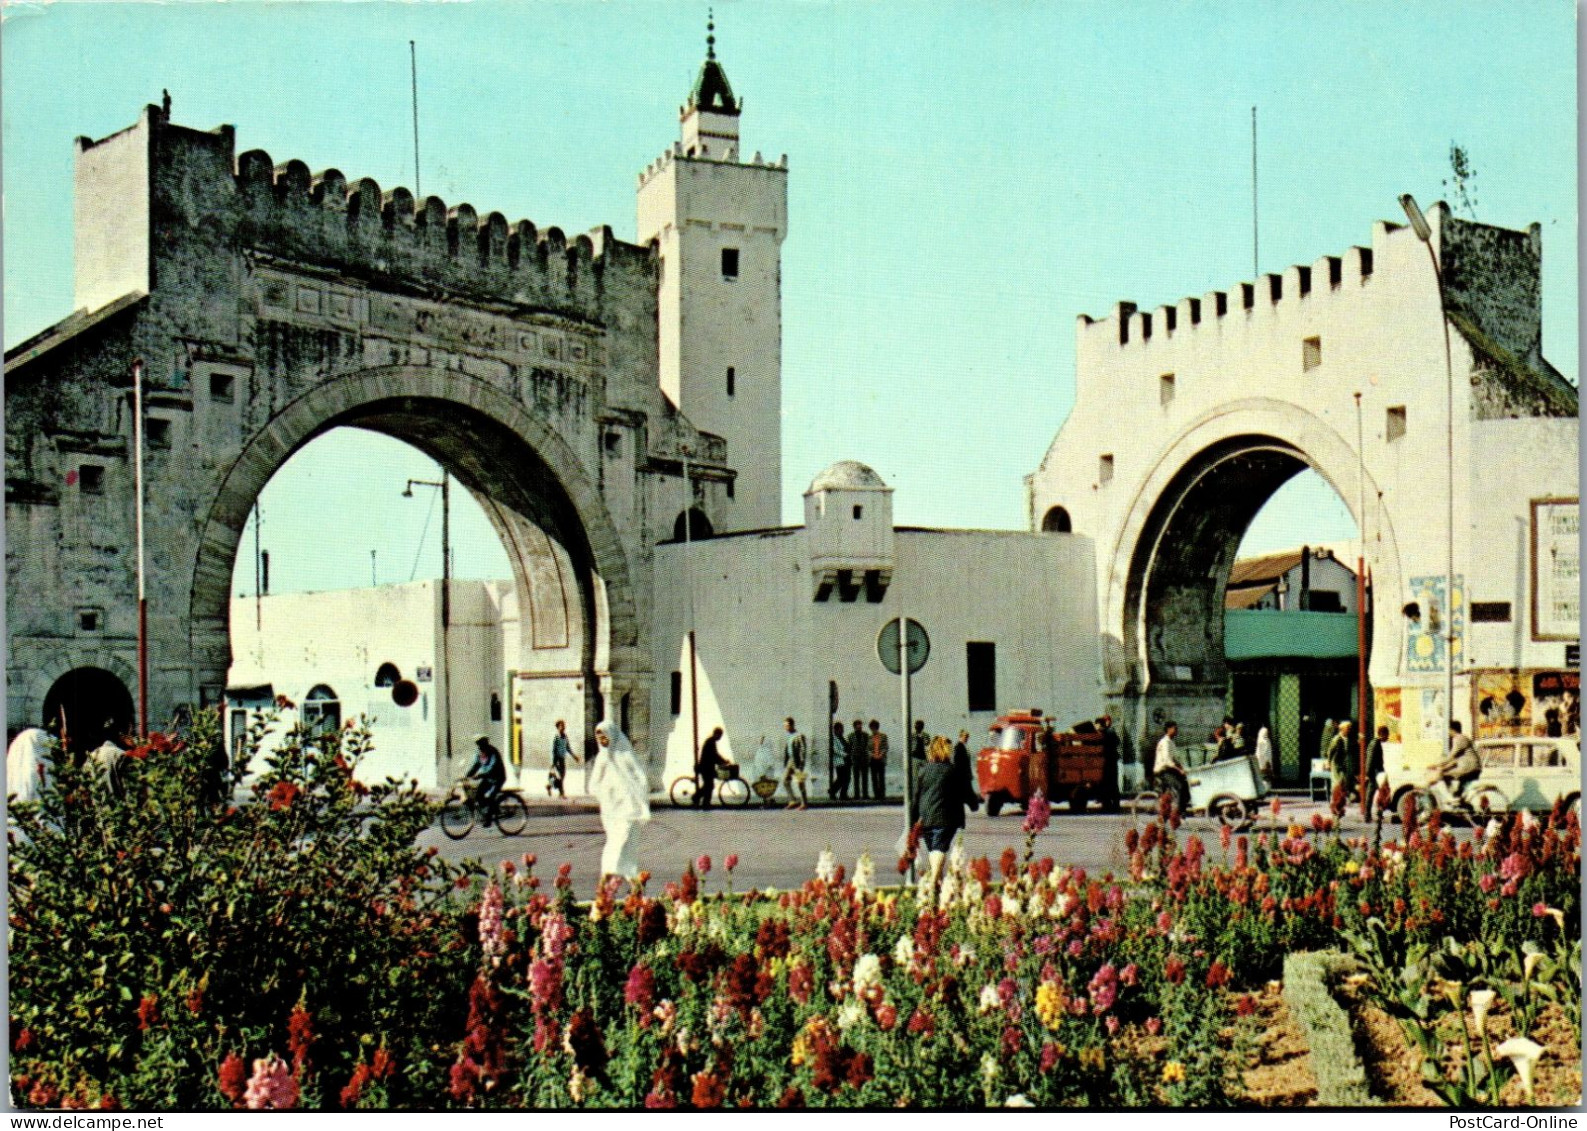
720, 222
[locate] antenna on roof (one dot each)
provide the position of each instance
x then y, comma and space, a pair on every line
413, 63
1255, 246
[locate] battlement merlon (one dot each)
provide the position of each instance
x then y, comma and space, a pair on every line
1491, 290
152, 187
676, 153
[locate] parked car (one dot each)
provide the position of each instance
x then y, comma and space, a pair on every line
1067, 766
1519, 772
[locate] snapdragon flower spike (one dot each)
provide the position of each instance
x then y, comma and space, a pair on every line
1037, 814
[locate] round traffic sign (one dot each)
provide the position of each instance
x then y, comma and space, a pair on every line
917, 646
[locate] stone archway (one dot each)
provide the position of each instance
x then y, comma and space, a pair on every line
579, 614
1168, 564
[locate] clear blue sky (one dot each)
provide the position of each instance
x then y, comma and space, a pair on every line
964, 181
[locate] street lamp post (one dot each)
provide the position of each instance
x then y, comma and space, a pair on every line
143, 601
1425, 233
445, 681
1362, 730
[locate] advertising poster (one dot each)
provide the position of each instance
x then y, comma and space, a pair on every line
1556, 703
1387, 710
1501, 704
1424, 638
1556, 569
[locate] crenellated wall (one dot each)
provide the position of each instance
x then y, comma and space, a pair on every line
1189, 416
269, 304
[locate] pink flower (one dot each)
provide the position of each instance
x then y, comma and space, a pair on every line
731, 862
886, 1016
640, 992
1488, 882
1539, 910
1104, 988
492, 932
1130, 974
703, 865
1037, 814
555, 934
1154, 1025
271, 1088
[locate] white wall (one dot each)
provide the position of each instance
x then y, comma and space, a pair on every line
767, 649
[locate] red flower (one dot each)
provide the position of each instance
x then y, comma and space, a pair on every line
731, 862
703, 864
921, 1024
354, 1090
233, 1078
24, 1040
791, 1099
708, 1091
862, 1070
148, 1011
300, 1035
886, 1016
1007, 864
981, 869
1174, 969
652, 923
584, 1039
1218, 975
282, 795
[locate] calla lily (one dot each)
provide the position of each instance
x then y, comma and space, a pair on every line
1017, 1100
1481, 1002
1529, 964
1522, 1053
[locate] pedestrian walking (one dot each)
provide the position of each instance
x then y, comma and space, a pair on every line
794, 751
965, 765
943, 790
705, 770
491, 771
1167, 769
878, 762
1341, 763
620, 785
28, 763
838, 756
860, 761
1264, 752
1109, 796
1374, 767
561, 751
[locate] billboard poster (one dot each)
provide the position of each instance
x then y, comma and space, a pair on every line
1556, 569
1501, 704
1556, 703
1424, 638
1386, 712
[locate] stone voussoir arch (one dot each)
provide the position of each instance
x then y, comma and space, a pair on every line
1248, 424
338, 401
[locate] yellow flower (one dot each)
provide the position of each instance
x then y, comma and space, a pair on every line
1173, 1072
1093, 1058
1050, 1004
1351, 867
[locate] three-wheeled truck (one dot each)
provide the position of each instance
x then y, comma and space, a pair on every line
1025, 756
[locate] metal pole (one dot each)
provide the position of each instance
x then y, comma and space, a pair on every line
258, 571
1449, 527
413, 61
688, 566
446, 607
904, 744
1255, 246
143, 602
372, 582
1361, 610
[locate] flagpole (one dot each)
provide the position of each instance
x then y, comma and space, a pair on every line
143, 602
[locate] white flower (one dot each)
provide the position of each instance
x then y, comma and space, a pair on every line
850, 1014
904, 950
867, 972
966, 955
949, 889
1017, 1100
1011, 905
1481, 1002
1033, 906
1063, 905
1529, 963
957, 858
990, 1069
826, 866
864, 873
1528, 820
990, 999
1522, 1053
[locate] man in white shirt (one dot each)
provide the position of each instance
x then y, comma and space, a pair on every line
1169, 773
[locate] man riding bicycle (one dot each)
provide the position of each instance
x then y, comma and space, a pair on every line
1168, 773
491, 771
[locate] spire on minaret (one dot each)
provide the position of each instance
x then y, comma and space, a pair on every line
711, 91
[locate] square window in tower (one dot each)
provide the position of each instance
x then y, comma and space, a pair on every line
732, 381
730, 263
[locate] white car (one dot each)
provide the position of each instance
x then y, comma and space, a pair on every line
1528, 772
1520, 772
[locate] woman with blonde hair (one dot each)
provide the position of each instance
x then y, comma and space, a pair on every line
942, 791
620, 785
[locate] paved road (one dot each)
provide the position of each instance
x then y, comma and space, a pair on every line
778, 847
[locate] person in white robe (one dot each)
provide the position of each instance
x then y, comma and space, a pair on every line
623, 790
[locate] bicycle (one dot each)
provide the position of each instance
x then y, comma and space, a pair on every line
462, 809
731, 789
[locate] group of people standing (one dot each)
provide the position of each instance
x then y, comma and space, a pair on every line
859, 761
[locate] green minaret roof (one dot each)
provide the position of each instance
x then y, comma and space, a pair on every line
711, 90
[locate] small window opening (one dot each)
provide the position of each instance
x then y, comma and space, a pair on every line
731, 380
88, 620
1056, 521
221, 387
730, 488
677, 693
1491, 612
1105, 468
157, 433
614, 442
322, 711
91, 479
1165, 388
387, 675
1311, 353
730, 263
859, 512
1394, 423
495, 706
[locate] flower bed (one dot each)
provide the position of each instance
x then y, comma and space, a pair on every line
297, 951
